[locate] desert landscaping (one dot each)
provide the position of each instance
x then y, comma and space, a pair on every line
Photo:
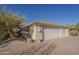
61, 46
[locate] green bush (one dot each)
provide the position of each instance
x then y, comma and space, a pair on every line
8, 21
74, 33
2, 38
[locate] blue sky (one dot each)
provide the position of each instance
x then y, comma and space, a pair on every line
62, 14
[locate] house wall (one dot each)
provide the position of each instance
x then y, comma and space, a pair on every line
34, 32
65, 32
40, 33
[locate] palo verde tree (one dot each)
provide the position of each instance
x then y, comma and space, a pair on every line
8, 21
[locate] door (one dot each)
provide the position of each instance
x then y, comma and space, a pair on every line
51, 33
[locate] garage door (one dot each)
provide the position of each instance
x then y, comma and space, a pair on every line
51, 33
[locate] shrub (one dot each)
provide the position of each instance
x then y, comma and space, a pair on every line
8, 21
73, 33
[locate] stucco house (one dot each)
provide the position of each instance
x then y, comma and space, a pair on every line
44, 30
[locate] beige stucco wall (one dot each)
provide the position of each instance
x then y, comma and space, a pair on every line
48, 33
63, 32
34, 32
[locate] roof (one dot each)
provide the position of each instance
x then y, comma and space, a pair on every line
47, 24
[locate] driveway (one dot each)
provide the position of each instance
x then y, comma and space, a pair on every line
60, 46
66, 46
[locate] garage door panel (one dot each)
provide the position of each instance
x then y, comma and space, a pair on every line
50, 33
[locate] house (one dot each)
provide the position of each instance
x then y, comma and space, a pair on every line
44, 31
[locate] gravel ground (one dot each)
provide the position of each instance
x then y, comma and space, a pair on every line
61, 46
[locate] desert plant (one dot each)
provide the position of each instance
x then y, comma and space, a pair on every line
8, 21
73, 33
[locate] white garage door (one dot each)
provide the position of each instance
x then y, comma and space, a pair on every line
51, 33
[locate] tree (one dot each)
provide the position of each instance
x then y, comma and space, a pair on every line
8, 21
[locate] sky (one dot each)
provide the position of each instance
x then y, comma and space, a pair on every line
58, 13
